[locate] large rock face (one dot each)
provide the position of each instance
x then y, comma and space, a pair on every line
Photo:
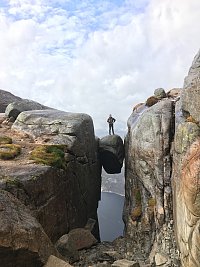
23, 242
5, 99
163, 160
148, 204
15, 108
111, 150
186, 169
61, 199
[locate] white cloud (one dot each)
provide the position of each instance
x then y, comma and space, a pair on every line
98, 58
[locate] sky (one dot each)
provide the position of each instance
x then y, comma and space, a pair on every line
98, 57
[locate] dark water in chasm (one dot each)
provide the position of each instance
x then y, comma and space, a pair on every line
110, 216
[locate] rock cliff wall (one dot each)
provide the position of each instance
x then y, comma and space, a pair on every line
60, 198
162, 148
186, 169
148, 205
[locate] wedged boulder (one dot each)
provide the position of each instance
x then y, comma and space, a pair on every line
61, 198
6, 98
15, 108
111, 150
191, 91
23, 242
148, 196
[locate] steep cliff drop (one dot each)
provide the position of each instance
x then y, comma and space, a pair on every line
56, 174
148, 211
162, 196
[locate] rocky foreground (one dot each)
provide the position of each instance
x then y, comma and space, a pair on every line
50, 183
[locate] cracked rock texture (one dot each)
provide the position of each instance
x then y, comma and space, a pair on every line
162, 206
61, 199
148, 205
191, 91
23, 242
186, 169
15, 108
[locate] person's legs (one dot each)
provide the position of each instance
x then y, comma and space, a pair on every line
112, 128
109, 129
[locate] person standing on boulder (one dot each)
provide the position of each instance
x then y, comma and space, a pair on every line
110, 122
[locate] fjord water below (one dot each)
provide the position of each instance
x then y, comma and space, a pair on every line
110, 216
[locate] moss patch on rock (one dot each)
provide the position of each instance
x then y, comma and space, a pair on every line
9, 151
137, 196
52, 155
152, 202
136, 213
5, 140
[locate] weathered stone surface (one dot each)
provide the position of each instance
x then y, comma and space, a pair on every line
56, 262
125, 263
148, 204
191, 91
174, 93
78, 238
23, 242
5, 99
45, 190
69, 244
2, 117
101, 254
61, 199
186, 176
160, 259
186, 169
111, 151
159, 93
15, 108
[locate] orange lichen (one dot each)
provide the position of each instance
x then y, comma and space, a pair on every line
152, 100
191, 119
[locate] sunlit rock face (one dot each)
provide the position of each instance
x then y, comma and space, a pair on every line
60, 198
162, 206
186, 169
15, 108
148, 212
